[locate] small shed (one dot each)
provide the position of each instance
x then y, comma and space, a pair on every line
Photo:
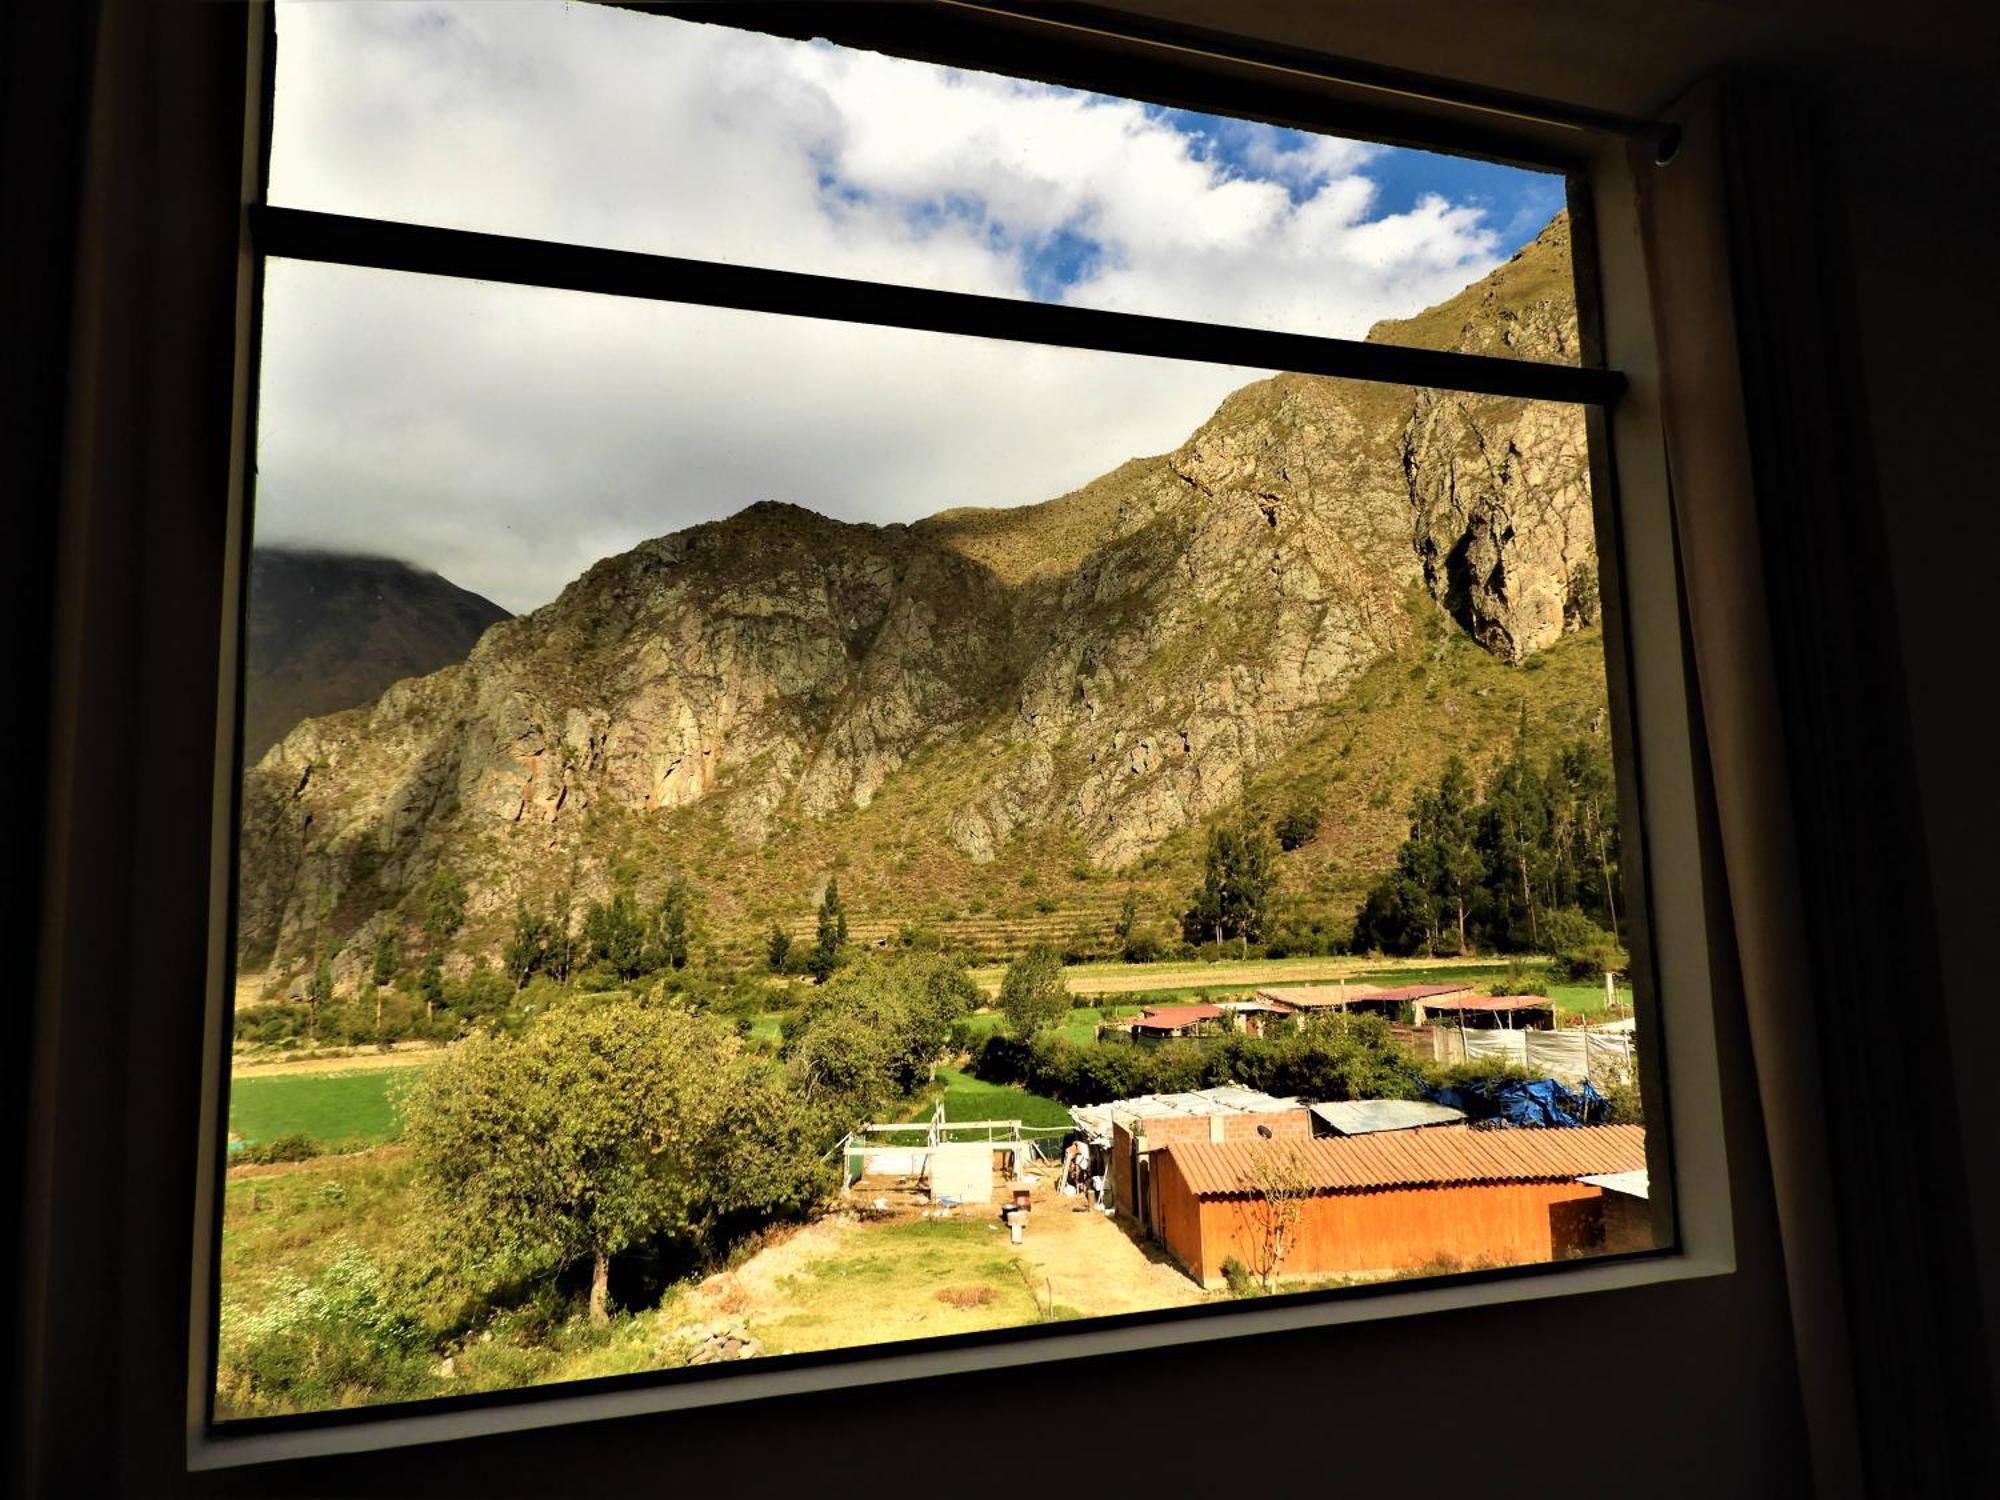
1251, 1017
1164, 1021
1391, 1201
1490, 1012
1627, 1210
961, 1170
1310, 999
1126, 1133
1367, 1116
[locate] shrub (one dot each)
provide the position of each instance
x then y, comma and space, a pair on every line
1241, 1282
1298, 826
293, 1147
1143, 947
320, 1343
1578, 948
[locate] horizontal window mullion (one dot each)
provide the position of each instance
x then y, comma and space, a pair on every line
303, 234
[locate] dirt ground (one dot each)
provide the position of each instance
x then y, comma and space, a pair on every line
362, 1060
1074, 1259
1090, 1262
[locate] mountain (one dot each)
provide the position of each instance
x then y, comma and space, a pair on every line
991, 709
330, 631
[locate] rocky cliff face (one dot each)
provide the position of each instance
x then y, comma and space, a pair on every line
1116, 663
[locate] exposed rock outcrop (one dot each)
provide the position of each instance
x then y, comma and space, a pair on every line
1116, 663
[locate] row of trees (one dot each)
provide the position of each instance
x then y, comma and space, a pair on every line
1513, 868
1357, 1060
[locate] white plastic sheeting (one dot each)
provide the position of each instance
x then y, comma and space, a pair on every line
1602, 1055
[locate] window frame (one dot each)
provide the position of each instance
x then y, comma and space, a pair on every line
1647, 678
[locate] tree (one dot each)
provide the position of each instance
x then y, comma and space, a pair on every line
430, 983
1513, 839
1033, 994
1128, 919
591, 1133
1236, 885
616, 934
319, 989
382, 966
832, 934
1453, 830
674, 925
1279, 1183
1580, 948
444, 907
528, 951
563, 941
878, 1028
1298, 826
777, 948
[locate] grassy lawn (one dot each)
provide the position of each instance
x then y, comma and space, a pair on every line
330, 1107
887, 1285
1588, 999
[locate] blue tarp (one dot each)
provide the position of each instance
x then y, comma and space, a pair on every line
1545, 1102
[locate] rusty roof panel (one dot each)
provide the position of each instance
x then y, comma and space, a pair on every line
1416, 1158
1491, 1002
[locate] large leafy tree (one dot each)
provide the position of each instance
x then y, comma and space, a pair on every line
598, 1130
1238, 874
878, 1029
1033, 994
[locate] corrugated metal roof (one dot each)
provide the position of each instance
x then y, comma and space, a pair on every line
1631, 1184
1415, 992
1226, 1099
1312, 996
1366, 1116
1169, 1017
1414, 1158
1492, 1002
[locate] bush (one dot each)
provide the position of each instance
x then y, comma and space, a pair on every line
1143, 947
1241, 1282
1578, 948
284, 1148
320, 1343
1298, 826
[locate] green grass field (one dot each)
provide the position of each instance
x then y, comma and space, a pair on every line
332, 1108
966, 1098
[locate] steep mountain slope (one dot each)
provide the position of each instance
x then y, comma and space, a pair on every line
330, 631
1056, 691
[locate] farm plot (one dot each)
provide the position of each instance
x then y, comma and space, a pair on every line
363, 1108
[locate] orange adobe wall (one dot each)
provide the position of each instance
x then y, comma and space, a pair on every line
1377, 1230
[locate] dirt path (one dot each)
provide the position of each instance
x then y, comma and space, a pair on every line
1084, 1260
1105, 979
405, 1055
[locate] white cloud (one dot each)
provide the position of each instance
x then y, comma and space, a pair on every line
510, 437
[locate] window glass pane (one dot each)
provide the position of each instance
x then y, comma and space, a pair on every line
1097, 729
607, 127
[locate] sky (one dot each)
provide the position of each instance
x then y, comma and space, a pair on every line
508, 437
